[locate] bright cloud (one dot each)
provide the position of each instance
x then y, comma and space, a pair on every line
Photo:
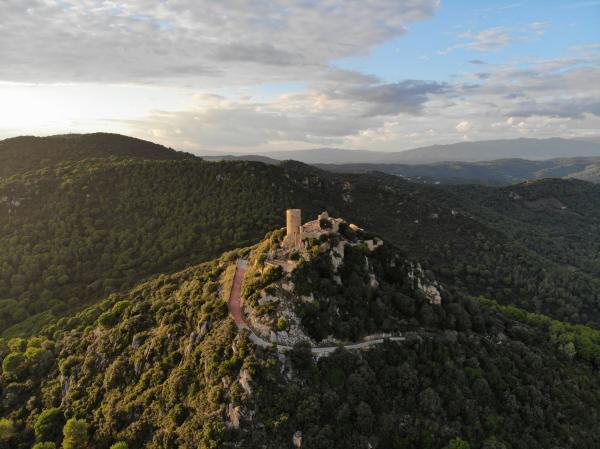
463, 127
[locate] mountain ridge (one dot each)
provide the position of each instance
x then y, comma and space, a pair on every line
26, 153
486, 150
501, 171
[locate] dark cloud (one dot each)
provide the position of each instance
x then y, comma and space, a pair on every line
384, 99
477, 62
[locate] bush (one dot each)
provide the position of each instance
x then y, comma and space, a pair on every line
281, 324
108, 319
13, 363
49, 424
75, 434
44, 445
120, 445
458, 443
7, 429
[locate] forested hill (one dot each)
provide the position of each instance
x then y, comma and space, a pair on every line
75, 232
162, 366
22, 154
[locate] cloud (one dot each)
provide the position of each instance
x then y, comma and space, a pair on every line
198, 41
406, 96
486, 40
219, 73
543, 98
324, 117
464, 127
494, 38
566, 108
259, 54
592, 46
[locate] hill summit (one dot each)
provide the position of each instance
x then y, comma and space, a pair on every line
328, 282
27, 153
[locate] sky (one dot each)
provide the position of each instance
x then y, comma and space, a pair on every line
252, 76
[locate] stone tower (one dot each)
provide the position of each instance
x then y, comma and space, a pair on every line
293, 221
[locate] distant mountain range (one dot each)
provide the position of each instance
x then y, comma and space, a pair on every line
502, 171
486, 162
531, 149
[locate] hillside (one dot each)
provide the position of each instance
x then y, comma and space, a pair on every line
487, 150
162, 365
503, 171
250, 157
22, 154
72, 234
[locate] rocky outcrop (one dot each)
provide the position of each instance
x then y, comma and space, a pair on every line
245, 379
297, 439
234, 414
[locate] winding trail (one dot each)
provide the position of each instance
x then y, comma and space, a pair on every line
235, 309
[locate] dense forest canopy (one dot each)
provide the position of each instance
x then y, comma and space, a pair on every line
162, 366
26, 153
76, 230
115, 336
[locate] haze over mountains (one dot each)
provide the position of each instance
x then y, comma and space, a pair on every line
488, 162
531, 149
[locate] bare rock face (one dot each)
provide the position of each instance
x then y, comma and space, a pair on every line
204, 328
432, 293
431, 290
245, 381
297, 439
234, 414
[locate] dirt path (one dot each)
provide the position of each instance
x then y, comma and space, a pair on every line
235, 309
235, 306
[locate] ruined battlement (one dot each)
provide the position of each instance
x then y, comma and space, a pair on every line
296, 232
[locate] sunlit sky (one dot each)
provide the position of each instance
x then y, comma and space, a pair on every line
254, 76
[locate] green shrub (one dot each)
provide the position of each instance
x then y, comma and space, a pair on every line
48, 425
281, 324
120, 445
44, 445
75, 434
13, 363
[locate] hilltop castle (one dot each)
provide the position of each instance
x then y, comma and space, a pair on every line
296, 232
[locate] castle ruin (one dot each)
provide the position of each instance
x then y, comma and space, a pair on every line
296, 232
293, 236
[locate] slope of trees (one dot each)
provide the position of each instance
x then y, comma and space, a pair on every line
22, 154
86, 229
73, 232
137, 369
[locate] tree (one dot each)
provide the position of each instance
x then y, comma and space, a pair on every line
120, 445
75, 434
44, 445
7, 431
458, 443
13, 363
493, 443
48, 424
